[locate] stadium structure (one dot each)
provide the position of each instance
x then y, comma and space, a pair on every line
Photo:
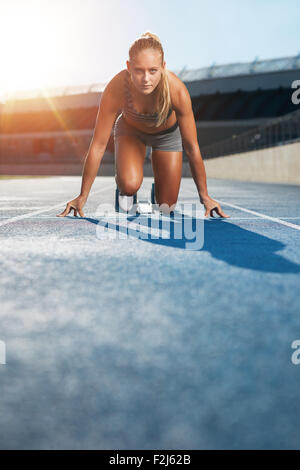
237, 107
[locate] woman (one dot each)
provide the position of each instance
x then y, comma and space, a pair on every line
156, 111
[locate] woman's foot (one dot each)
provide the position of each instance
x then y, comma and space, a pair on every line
125, 202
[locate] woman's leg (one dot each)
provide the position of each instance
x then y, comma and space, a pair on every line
130, 153
167, 168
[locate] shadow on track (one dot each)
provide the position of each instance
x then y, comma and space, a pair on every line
222, 239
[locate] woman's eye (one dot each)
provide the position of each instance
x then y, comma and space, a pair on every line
152, 70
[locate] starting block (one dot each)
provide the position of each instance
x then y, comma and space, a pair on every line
147, 207
144, 207
141, 207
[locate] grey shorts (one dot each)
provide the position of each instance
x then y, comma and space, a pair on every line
168, 140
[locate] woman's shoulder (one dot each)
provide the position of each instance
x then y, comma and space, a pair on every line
177, 89
114, 86
113, 90
116, 81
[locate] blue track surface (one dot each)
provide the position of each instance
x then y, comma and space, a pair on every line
142, 343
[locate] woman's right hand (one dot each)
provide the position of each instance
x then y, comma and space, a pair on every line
75, 205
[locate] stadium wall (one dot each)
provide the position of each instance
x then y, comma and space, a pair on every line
280, 164
274, 165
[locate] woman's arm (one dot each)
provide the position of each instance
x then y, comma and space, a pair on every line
188, 131
107, 113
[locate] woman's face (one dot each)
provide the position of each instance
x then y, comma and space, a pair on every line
145, 70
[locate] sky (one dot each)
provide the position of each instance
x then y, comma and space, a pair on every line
54, 43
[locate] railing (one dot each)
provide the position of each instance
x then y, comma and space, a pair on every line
277, 131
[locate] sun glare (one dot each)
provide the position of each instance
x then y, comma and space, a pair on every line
30, 46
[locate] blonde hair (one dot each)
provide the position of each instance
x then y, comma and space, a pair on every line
149, 40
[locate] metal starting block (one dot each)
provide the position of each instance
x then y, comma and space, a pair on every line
140, 207
144, 207
148, 207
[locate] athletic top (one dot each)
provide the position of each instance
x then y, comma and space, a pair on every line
131, 111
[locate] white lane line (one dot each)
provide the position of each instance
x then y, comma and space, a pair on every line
264, 216
14, 208
173, 220
29, 214
15, 198
258, 214
119, 216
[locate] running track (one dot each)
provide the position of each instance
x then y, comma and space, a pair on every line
144, 344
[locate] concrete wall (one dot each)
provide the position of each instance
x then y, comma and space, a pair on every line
275, 165
105, 169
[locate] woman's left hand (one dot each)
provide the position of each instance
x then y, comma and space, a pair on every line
210, 206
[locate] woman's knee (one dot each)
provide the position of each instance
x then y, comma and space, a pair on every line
128, 186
